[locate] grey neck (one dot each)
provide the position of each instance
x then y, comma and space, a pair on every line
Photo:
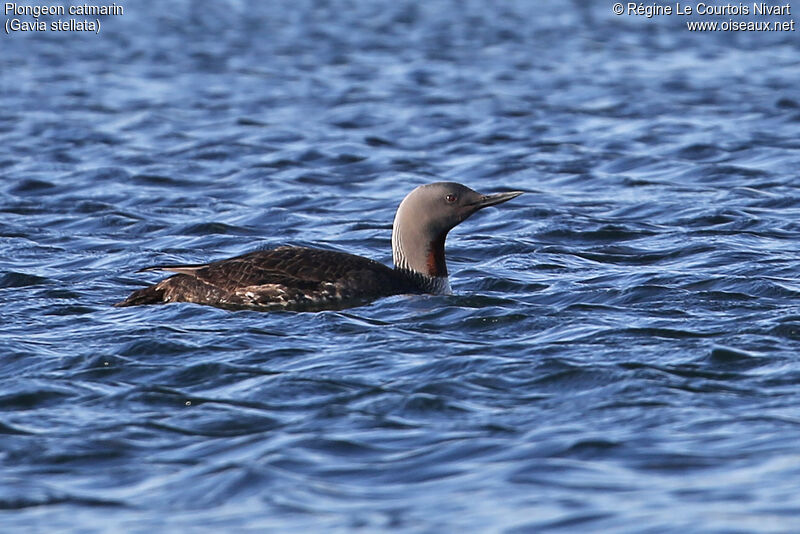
421, 266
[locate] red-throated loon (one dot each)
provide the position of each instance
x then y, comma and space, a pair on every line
298, 278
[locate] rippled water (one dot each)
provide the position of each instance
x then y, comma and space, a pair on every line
620, 353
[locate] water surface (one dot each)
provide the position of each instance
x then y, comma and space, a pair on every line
620, 353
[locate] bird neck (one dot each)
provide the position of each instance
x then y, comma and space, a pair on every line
421, 255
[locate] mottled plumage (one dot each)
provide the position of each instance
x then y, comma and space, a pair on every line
294, 277
311, 279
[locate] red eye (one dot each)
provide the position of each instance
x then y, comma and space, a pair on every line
450, 198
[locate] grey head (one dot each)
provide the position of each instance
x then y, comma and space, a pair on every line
423, 220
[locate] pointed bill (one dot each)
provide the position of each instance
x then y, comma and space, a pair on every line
496, 198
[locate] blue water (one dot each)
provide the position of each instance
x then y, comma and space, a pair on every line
621, 352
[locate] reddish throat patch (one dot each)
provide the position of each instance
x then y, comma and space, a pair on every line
436, 264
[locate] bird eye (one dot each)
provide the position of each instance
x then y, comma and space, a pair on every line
450, 198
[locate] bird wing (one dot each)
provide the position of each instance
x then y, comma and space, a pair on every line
298, 267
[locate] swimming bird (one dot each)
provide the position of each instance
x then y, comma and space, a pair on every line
299, 278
